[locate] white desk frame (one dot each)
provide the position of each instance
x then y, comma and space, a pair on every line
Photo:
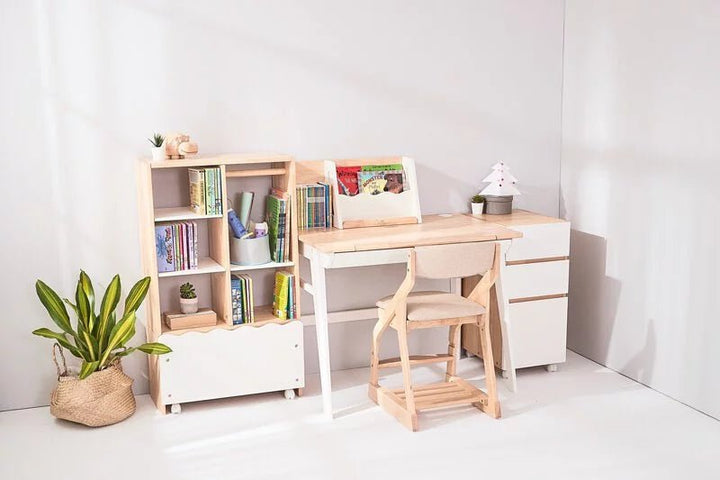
321, 261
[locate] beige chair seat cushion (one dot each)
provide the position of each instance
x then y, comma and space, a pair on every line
436, 306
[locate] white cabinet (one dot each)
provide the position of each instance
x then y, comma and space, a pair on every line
534, 281
226, 363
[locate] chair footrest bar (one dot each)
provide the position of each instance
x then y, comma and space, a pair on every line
445, 394
415, 360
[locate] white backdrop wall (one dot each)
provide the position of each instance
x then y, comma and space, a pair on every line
456, 85
641, 109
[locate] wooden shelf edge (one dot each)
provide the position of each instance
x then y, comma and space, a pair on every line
255, 173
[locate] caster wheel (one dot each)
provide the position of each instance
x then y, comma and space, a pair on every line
551, 368
175, 408
505, 374
290, 394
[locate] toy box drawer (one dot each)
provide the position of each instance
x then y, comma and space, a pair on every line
225, 363
535, 279
547, 240
539, 332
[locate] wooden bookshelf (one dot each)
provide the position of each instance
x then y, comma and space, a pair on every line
191, 371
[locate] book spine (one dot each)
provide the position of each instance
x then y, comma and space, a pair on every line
218, 192
195, 192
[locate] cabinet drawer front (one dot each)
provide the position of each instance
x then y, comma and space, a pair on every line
226, 363
538, 332
535, 279
548, 240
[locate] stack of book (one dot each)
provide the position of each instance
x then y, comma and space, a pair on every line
241, 291
278, 219
284, 296
176, 246
314, 206
206, 191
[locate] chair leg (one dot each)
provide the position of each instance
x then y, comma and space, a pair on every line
453, 350
407, 377
493, 407
377, 334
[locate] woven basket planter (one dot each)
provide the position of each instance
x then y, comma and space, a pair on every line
103, 398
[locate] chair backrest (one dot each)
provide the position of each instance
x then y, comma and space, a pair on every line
455, 260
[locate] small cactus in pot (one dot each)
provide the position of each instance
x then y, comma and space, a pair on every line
188, 298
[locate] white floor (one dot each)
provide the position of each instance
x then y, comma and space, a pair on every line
582, 422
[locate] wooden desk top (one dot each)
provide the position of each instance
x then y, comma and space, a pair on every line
435, 230
517, 218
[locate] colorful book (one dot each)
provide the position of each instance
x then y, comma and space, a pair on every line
280, 295
197, 190
164, 248
347, 180
371, 182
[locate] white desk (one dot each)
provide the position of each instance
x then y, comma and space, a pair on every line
334, 248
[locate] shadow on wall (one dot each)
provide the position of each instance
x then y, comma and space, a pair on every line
593, 298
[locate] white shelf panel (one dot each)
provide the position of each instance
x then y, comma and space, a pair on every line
205, 265
179, 213
262, 266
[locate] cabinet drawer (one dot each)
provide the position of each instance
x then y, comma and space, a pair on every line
535, 279
225, 363
547, 240
539, 332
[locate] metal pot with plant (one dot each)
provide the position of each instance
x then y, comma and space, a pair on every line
158, 147
188, 298
101, 394
476, 204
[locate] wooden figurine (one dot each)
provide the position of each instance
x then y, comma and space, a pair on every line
177, 145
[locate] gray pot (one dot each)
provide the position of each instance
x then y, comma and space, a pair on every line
495, 205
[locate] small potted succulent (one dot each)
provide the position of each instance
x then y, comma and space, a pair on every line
188, 298
158, 147
476, 204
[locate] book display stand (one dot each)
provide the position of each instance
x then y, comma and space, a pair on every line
220, 360
365, 209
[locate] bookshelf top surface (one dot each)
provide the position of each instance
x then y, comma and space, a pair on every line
223, 159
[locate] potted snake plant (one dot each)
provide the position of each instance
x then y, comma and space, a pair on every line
101, 393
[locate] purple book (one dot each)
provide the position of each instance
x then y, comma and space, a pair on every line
164, 248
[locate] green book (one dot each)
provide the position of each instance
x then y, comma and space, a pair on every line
273, 209
382, 168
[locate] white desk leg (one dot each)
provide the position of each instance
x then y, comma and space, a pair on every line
506, 322
317, 270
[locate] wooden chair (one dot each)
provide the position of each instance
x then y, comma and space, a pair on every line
406, 311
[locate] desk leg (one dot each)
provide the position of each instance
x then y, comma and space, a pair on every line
505, 322
317, 270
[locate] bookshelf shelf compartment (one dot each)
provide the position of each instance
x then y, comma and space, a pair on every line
264, 266
205, 265
172, 214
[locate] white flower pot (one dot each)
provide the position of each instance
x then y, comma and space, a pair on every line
158, 153
189, 305
477, 208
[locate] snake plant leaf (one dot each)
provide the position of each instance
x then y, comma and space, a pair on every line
106, 318
83, 307
59, 337
72, 305
54, 306
88, 342
137, 295
154, 348
87, 287
87, 368
119, 331
124, 353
